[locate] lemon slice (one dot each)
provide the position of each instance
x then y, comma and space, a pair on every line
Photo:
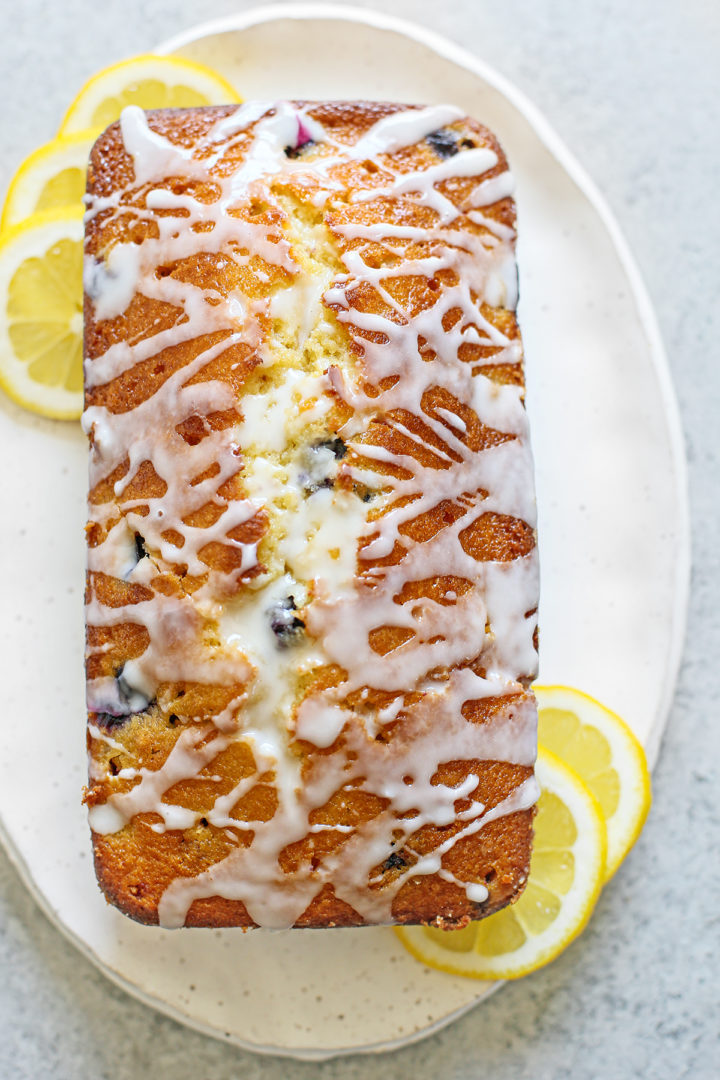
41, 300
602, 749
152, 82
567, 870
52, 176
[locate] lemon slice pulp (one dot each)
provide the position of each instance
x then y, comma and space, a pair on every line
53, 176
567, 870
151, 82
41, 313
603, 751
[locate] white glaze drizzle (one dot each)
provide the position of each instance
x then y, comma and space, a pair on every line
494, 616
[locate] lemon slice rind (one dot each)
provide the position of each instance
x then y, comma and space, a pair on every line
114, 81
589, 853
39, 169
628, 759
31, 239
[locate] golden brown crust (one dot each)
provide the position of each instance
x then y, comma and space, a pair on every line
135, 865
133, 881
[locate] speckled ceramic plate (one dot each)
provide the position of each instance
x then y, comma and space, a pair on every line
614, 547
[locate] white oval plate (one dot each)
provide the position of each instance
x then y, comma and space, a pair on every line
614, 545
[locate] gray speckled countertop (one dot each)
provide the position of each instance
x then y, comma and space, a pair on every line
634, 90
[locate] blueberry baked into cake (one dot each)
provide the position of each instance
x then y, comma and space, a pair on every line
312, 576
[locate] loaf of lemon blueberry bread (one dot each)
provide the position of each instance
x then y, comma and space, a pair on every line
312, 577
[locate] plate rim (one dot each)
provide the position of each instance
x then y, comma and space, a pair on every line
554, 144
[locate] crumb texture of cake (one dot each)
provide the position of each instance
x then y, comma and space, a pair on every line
312, 571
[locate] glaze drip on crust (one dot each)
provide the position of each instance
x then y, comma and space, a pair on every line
312, 575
